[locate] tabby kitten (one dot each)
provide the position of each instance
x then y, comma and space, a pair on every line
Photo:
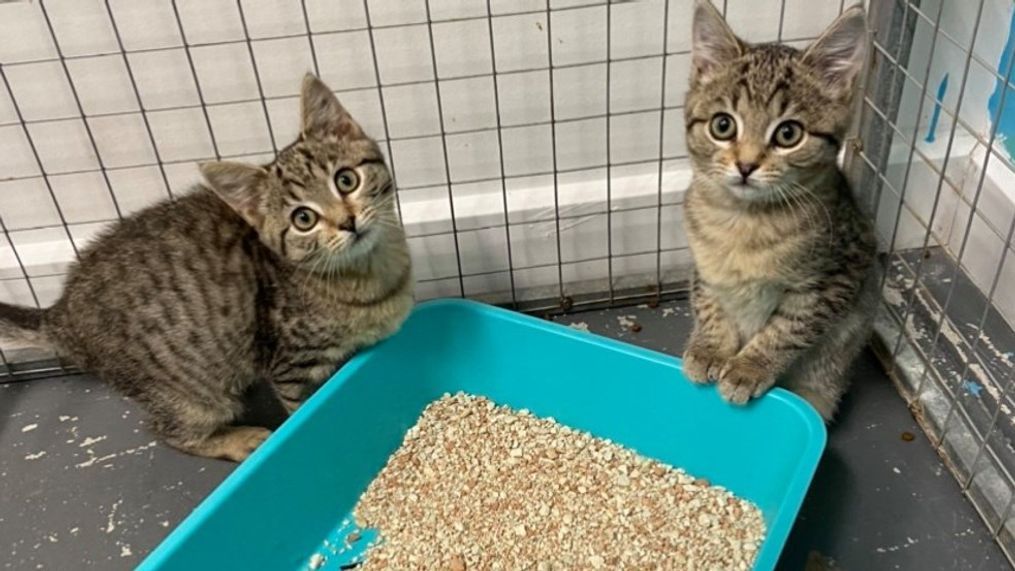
276, 272
785, 273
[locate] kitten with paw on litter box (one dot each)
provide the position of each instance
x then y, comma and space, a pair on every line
279, 272
785, 282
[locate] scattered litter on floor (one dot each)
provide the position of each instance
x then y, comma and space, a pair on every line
909, 543
985, 342
93, 459
91, 440
29, 427
920, 332
668, 311
629, 323
111, 518
580, 326
470, 473
908, 436
35, 456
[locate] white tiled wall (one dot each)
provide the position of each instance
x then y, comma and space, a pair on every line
180, 54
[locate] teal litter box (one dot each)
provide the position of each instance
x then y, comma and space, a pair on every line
292, 497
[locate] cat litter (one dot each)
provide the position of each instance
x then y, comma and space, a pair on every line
629, 323
626, 321
478, 486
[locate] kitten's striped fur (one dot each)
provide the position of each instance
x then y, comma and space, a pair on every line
785, 281
184, 305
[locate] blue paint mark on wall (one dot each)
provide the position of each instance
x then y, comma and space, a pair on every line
935, 115
972, 387
1006, 119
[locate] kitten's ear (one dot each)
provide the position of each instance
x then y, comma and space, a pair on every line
714, 43
322, 115
238, 185
838, 55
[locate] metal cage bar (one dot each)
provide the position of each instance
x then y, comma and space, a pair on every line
933, 338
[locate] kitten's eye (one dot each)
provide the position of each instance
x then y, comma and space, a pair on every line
304, 218
788, 134
723, 127
346, 180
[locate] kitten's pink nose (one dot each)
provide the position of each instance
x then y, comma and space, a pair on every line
746, 169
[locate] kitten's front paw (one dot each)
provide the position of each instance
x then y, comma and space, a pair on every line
243, 440
743, 378
702, 365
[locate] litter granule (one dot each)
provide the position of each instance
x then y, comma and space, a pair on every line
475, 486
580, 326
626, 321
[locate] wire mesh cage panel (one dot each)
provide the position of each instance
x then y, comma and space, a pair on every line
539, 156
934, 164
537, 145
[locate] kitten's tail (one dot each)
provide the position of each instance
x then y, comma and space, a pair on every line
23, 324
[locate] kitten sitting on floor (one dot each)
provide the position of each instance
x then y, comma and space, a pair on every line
278, 272
785, 282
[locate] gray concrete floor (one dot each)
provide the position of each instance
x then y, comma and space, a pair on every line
83, 484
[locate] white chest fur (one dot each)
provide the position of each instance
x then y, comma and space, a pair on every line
749, 305
747, 260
